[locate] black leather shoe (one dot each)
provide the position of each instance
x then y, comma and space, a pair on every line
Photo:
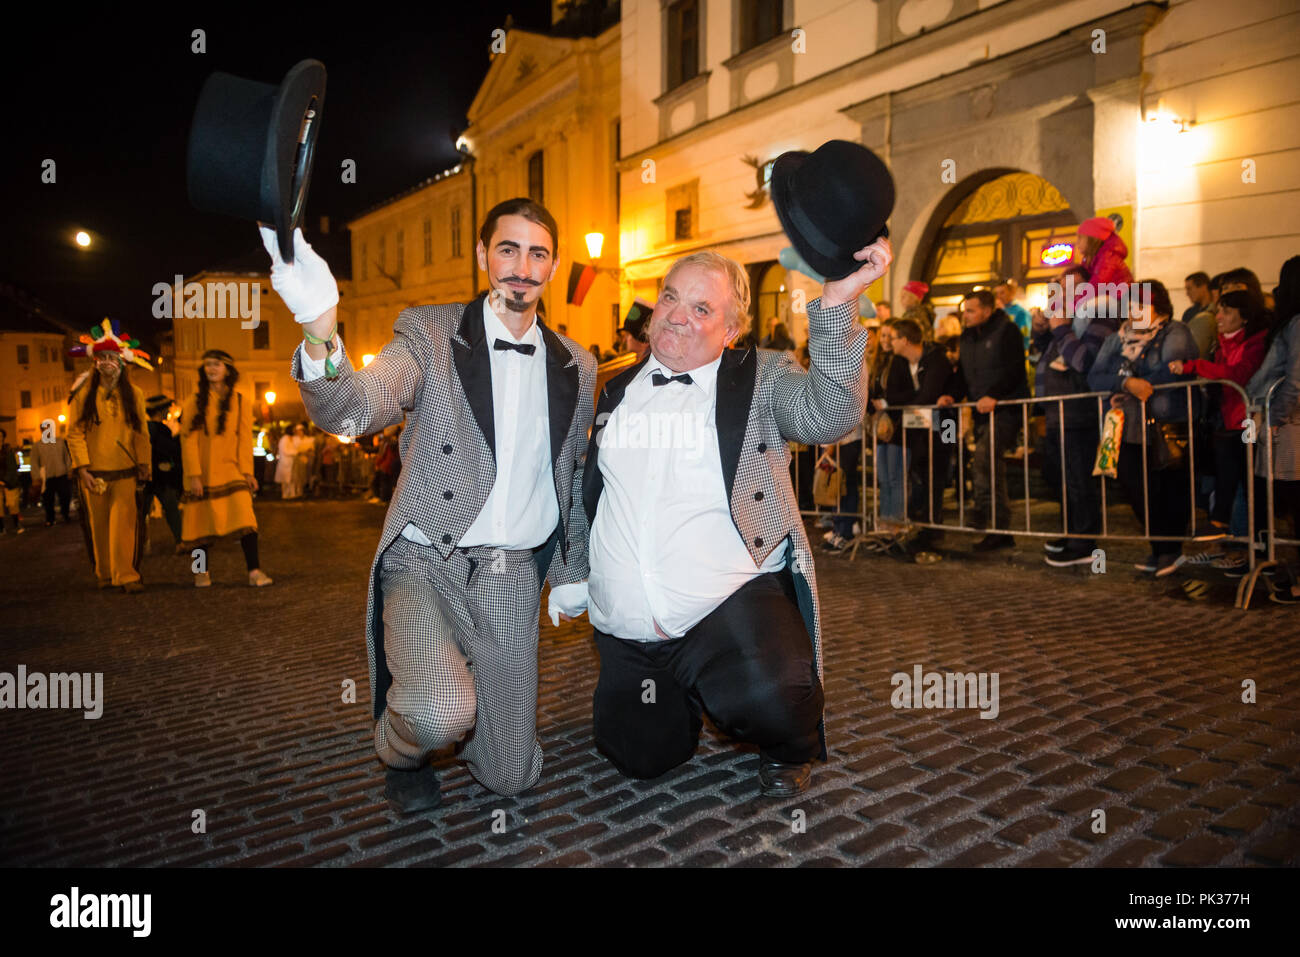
993, 542
778, 779
410, 792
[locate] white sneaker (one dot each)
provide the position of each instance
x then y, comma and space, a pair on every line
203, 580
257, 578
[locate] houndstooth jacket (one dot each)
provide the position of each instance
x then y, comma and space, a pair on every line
764, 399
435, 373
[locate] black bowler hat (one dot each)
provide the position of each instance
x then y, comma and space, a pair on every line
157, 403
637, 317
251, 147
832, 202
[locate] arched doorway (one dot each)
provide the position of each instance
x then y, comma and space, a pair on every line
999, 223
769, 297
771, 303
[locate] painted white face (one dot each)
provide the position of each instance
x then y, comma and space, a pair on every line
520, 263
109, 366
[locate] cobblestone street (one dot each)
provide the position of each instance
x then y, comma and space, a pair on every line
1116, 693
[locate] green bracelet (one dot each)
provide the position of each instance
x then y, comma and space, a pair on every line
330, 370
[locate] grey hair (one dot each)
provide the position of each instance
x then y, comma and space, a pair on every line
735, 275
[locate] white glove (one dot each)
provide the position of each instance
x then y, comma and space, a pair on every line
570, 599
306, 286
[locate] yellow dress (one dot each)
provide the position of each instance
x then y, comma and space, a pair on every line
222, 462
111, 449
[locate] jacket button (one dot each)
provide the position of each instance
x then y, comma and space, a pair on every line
758, 543
446, 450
762, 446
758, 496
446, 539
447, 495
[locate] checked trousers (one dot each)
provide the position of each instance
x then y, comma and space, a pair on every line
460, 638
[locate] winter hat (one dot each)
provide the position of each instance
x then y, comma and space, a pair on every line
1099, 227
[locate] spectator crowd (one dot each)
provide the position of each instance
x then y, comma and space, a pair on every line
1179, 449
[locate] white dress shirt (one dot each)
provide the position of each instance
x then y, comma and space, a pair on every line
521, 511
664, 548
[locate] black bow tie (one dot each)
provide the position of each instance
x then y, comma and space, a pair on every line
501, 346
658, 379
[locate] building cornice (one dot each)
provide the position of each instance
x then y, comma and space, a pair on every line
873, 64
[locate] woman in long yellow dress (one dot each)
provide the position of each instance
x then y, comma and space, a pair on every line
217, 461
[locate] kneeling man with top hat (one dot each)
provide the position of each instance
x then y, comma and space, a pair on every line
701, 589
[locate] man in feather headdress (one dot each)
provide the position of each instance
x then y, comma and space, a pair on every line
111, 454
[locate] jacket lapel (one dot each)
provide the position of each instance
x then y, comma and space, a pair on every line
470, 353
737, 374
592, 481
561, 389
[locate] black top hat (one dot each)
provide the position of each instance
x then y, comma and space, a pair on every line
832, 202
638, 314
251, 147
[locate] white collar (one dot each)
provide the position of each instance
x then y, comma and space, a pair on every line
705, 376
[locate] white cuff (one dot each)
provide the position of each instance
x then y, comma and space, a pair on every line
315, 368
568, 599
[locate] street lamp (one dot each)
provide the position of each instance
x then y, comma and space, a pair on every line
595, 242
83, 238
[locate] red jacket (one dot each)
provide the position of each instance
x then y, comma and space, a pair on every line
1237, 358
1107, 265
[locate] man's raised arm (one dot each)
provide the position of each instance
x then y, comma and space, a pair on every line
339, 398
827, 402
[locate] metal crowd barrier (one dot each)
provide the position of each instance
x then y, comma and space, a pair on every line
870, 516
1247, 587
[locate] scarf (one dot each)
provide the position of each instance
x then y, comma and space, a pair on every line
1134, 341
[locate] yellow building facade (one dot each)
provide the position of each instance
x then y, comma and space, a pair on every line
33, 381
215, 310
1004, 122
414, 249
544, 124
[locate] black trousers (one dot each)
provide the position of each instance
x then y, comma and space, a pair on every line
1082, 488
992, 502
851, 462
1167, 491
922, 494
749, 664
61, 486
1229, 472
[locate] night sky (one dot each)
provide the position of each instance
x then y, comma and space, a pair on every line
112, 104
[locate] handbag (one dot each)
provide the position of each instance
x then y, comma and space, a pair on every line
1166, 445
884, 426
828, 481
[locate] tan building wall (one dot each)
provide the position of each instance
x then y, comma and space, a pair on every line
950, 94
558, 97
262, 355
413, 250
41, 377
1226, 192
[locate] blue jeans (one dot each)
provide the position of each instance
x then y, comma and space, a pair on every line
889, 480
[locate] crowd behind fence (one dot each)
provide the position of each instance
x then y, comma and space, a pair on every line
867, 513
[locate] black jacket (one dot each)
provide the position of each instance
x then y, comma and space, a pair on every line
166, 452
1078, 356
991, 361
